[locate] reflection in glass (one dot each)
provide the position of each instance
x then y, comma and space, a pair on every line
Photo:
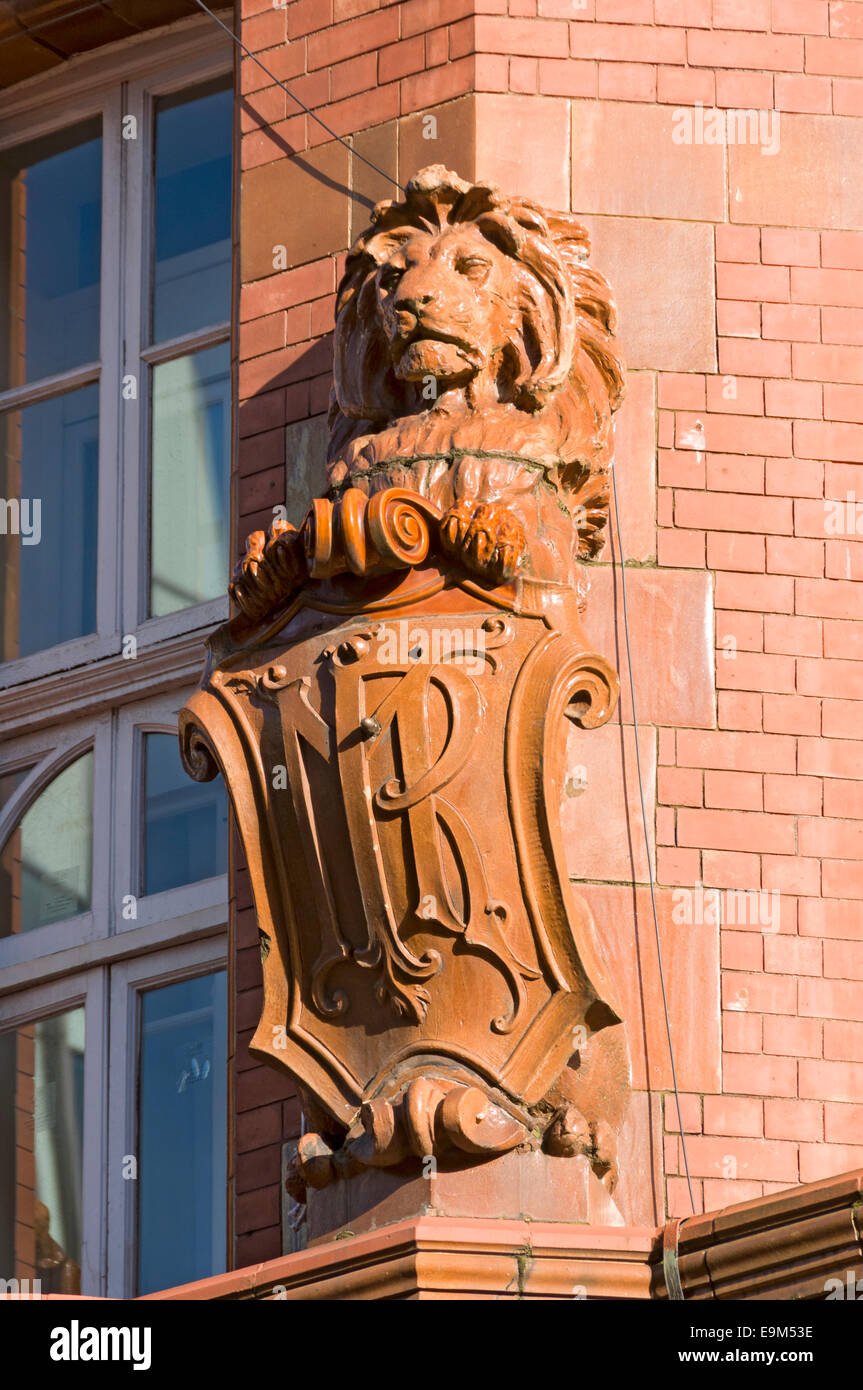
192, 271
190, 472
185, 822
182, 1169
41, 1151
46, 863
50, 253
49, 467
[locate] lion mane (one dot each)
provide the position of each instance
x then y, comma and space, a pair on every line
558, 383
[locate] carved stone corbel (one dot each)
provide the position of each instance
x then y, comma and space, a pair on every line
389, 705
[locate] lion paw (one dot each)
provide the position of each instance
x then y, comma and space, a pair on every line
270, 569
486, 537
571, 1134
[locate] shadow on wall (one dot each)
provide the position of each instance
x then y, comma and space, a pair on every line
299, 161
264, 485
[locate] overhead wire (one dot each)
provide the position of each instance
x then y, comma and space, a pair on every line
285, 88
99, 5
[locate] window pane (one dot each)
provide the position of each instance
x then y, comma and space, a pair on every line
41, 1151
185, 822
45, 865
50, 253
190, 474
49, 466
192, 271
182, 1144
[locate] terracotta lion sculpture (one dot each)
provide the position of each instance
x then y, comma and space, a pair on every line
475, 364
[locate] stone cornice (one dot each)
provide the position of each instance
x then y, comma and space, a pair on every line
784, 1246
442, 1257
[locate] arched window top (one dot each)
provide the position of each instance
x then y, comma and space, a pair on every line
46, 860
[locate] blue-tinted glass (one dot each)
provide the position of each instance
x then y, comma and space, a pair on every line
50, 253
192, 270
185, 822
49, 465
182, 1141
189, 480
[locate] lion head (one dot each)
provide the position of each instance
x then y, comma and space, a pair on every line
468, 318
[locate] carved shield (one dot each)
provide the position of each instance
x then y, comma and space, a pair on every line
394, 753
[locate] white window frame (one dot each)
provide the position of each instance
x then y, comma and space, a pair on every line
99, 958
128, 981
103, 373
206, 896
47, 754
177, 914
115, 85
142, 357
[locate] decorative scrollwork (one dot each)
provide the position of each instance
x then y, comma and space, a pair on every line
360, 535
197, 754
393, 530
432, 1116
398, 526
594, 686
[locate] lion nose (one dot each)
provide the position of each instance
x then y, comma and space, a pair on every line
412, 303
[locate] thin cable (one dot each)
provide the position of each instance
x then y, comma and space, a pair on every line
99, 5
309, 112
620, 561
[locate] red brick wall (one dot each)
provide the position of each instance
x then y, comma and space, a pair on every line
739, 278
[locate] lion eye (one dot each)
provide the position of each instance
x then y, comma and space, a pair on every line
474, 267
389, 277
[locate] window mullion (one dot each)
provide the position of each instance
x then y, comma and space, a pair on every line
96, 1153
133, 399
109, 588
120, 1073
102, 905
127, 784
